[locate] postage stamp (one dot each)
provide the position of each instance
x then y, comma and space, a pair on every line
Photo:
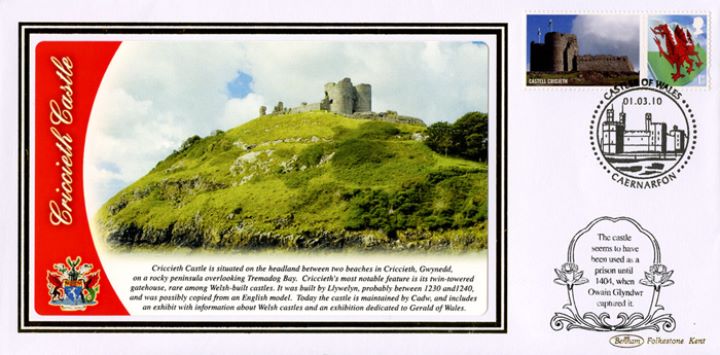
678, 49
582, 50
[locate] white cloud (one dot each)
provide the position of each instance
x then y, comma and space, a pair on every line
609, 34
238, 111
156, 94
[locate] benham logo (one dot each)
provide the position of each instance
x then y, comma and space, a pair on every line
627, 341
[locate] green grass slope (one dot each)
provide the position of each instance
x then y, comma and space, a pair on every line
308, 180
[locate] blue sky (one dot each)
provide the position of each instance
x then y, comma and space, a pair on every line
696, 24
560, 23
597, 34
240, 86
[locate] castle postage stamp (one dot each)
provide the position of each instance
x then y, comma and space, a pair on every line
582, 50
207, 183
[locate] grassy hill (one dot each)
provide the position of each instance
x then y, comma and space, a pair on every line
307, 180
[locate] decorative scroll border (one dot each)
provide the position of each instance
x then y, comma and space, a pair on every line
656, 277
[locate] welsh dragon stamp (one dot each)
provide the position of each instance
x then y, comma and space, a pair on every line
678, 49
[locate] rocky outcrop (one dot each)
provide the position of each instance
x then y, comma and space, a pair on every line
243, 237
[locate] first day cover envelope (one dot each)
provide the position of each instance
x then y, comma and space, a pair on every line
467, 177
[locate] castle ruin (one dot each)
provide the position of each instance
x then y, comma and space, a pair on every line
343, 98
560, 53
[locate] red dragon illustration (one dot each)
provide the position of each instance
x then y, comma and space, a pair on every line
680, 46
55, 285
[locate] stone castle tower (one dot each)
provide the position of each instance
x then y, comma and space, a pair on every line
560, 53
342, 97
347, 99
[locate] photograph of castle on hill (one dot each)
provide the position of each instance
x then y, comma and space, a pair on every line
291, 145
583, 50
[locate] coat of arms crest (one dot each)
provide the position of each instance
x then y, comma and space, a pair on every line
72, 286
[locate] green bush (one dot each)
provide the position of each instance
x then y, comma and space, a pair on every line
356, 152
376, 130
370, 210
311, 155
189, 143
466, 138
371, 130
435, 222
445, 199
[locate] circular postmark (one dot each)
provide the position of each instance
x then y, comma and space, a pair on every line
643, 136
